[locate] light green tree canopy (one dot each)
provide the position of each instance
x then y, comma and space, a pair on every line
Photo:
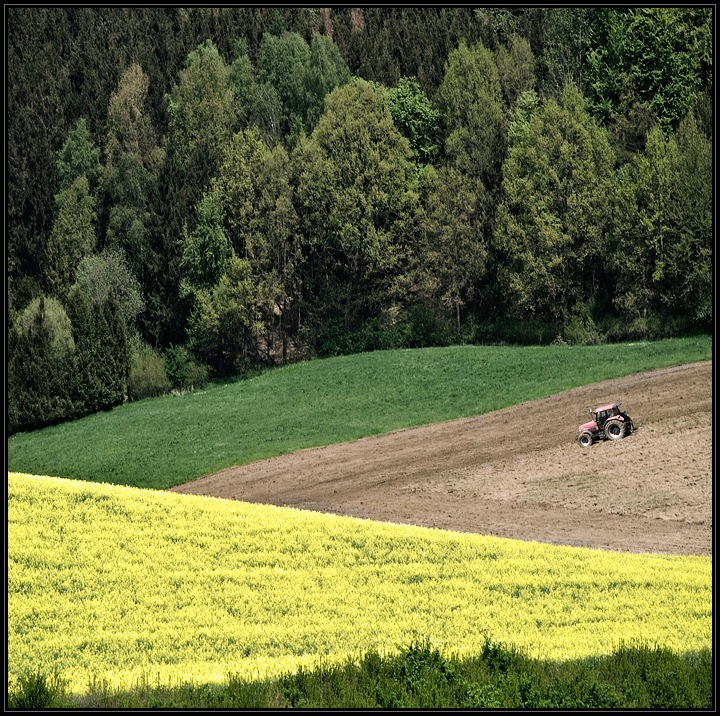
51, 313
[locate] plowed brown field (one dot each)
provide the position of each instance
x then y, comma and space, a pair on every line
519, 473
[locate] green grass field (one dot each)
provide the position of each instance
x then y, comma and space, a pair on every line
161, 442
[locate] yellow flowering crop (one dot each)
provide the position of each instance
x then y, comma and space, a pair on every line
124, 584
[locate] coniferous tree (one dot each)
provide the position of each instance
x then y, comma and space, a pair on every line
102, 356
41, 365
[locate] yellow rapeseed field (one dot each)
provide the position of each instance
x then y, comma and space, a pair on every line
127, 585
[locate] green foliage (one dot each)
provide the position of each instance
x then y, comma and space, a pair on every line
73, 236
557, 189
415, 118
51, 313
654, 677
516, 68
99, 275
79, 157
420, 676
37, 691
130, 129
662, 56
201, 120
133, 161
206, 250
283, 62
250, 187
41, 353
455, 251
661, 263
335, 231
127, 184
326, 71
102, 353
225, 322
176, 367
470, 101
182, 371
688, 286
566, 41
354, 199
147, 377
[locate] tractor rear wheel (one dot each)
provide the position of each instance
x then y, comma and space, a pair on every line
614, 429
585, 439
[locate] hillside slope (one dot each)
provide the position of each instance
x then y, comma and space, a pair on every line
519, 473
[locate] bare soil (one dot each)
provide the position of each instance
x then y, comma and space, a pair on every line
519, 473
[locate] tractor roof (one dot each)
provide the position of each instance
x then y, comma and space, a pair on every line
609, 406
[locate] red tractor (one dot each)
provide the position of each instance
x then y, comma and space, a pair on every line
608, 422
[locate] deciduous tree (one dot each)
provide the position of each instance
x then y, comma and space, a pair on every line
415, 118
353, 185
456, 248
557, 186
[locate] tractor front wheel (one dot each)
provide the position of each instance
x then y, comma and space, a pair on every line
585, 439
614, 430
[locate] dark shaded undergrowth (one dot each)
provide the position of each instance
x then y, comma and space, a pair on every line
419, 676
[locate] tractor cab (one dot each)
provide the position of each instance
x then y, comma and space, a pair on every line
604, 412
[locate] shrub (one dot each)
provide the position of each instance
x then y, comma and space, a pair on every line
182, 371
36, 691
147, 378
582, 331
176, 367
197, 375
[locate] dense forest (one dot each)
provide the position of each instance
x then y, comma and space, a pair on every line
201, 192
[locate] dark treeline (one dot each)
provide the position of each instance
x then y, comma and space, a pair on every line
197, 192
